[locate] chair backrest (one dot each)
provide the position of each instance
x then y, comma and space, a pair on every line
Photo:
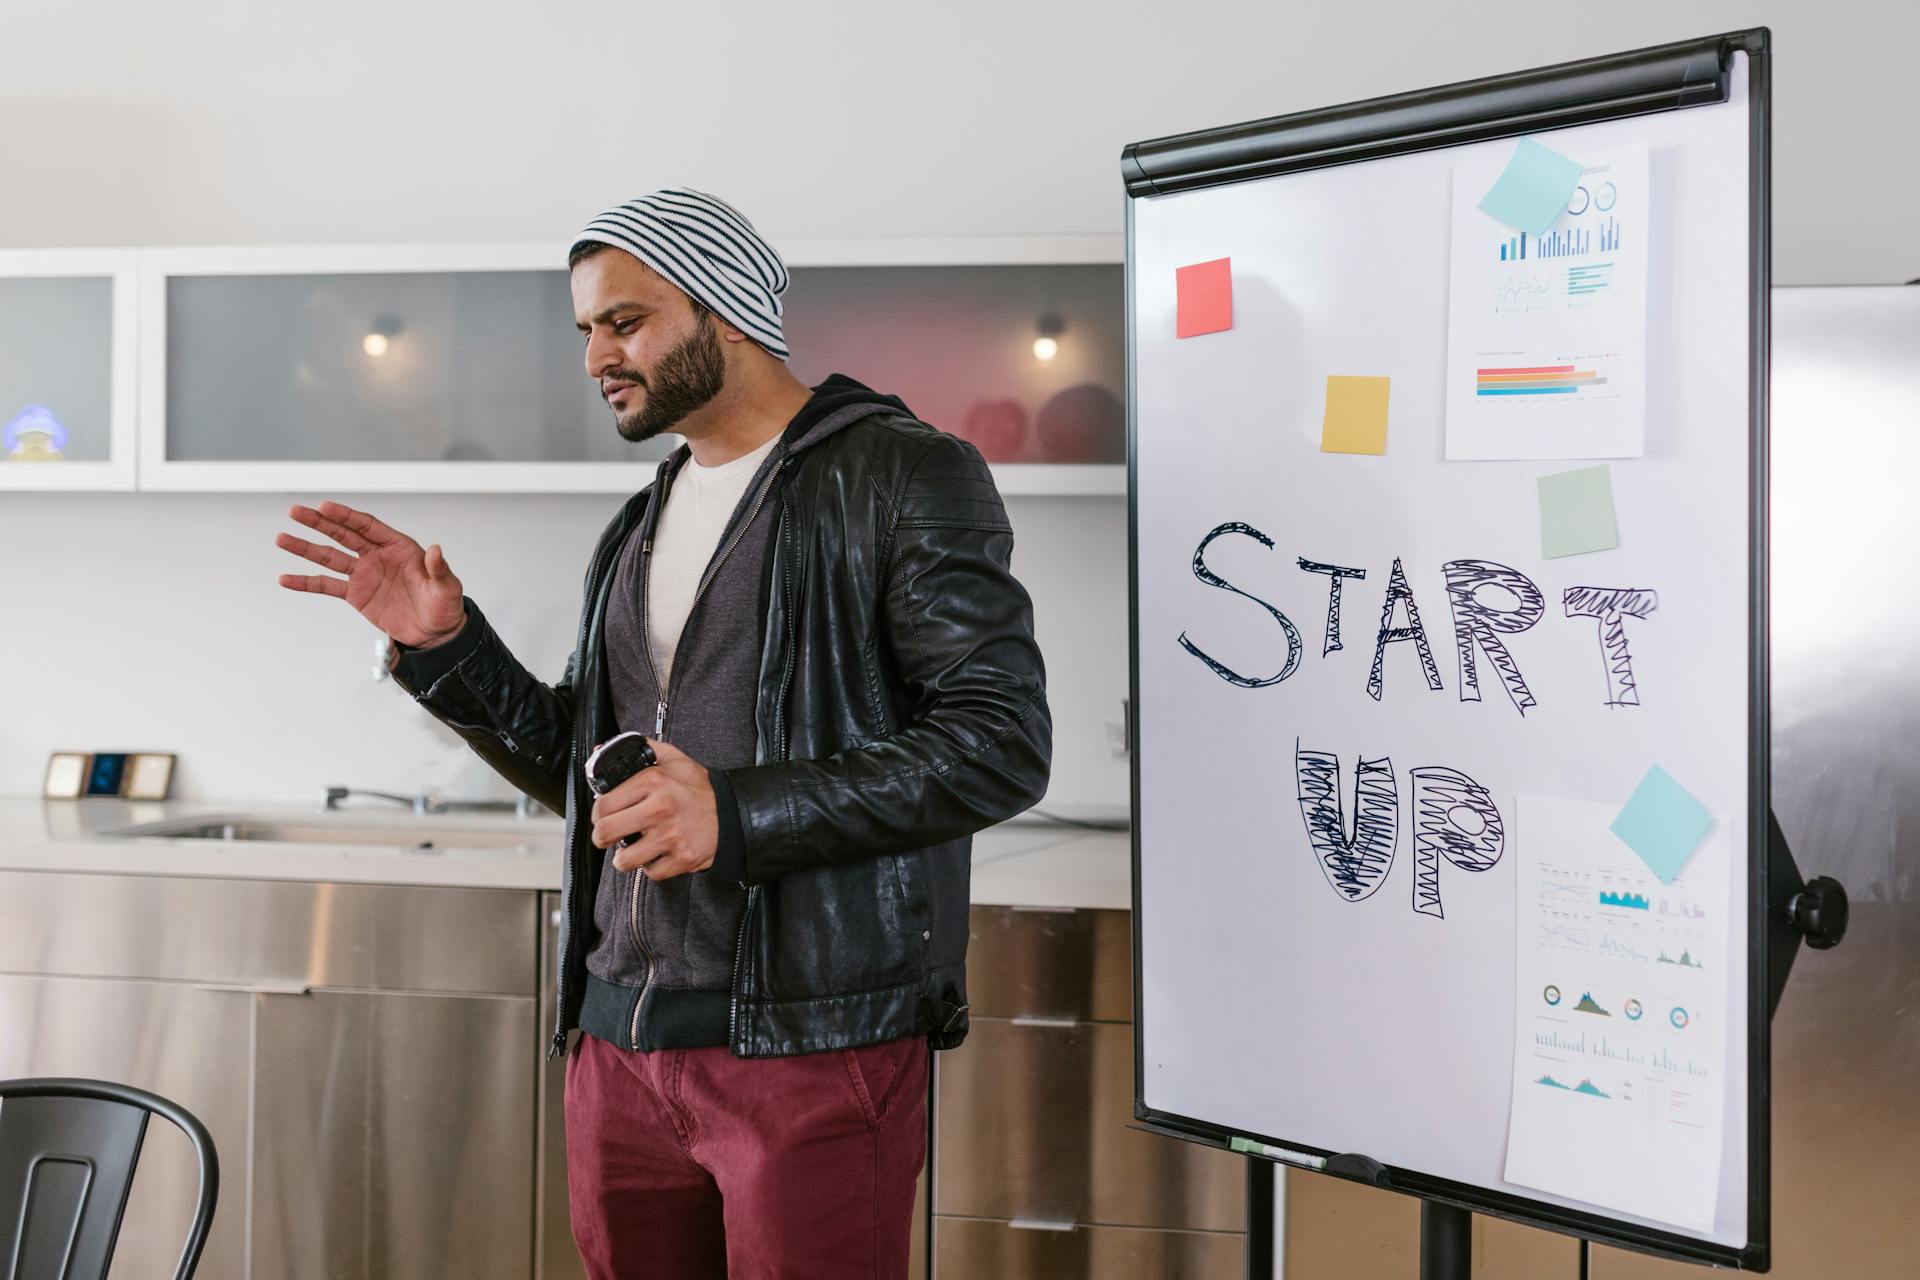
67, 1153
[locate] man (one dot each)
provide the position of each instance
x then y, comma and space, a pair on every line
810, 614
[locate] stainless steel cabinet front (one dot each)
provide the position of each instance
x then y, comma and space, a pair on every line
392, 1137
978, 1249
1033, 1123
184, 1043
1050, 963
285, 934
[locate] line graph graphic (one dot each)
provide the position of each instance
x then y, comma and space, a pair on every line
1564, 935
1611, 946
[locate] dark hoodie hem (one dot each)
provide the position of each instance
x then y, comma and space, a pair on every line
671, 1020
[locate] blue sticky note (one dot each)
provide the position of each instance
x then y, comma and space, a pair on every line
1663, 823
1534, 188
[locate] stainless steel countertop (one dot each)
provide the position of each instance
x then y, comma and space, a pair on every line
1018, 863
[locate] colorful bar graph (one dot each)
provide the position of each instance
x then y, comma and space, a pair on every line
1536, 380
1515, 249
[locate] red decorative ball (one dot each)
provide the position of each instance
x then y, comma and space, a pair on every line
998, 428
1086, 423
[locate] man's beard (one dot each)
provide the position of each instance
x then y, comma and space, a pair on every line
685, 379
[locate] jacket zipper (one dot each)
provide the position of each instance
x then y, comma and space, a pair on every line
660, 709
780, 753
558, 1046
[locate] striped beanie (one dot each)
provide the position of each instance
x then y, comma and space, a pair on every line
710, 252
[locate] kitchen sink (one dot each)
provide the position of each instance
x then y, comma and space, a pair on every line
422, 834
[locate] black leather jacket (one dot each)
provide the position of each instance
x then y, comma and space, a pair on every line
902, 707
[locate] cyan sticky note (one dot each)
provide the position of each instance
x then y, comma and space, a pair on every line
1533, 189
1203, 298
1576, 512
1663, 823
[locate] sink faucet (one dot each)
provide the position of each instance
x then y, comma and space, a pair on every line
432, 801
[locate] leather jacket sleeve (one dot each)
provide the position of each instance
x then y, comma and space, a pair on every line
977, 739
475, 686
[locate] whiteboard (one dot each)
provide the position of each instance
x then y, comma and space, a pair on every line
1269, 1005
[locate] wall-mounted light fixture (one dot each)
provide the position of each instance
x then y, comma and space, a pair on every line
1047, 345
379, 339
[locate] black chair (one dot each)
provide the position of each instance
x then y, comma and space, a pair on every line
67, 1151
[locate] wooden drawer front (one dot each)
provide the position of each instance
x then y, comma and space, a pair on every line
1032, 1123
1026, 962
981, 1249
276, 934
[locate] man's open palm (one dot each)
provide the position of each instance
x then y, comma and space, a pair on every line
406, 592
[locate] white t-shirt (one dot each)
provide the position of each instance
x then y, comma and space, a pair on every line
700, 501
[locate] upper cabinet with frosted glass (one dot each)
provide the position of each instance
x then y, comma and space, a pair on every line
371, 368
458, 368
67, 369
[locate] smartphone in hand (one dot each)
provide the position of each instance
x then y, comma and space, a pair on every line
613, 762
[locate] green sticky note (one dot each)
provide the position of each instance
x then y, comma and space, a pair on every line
1533, 189
1356, 417
1576, 512
1663, 823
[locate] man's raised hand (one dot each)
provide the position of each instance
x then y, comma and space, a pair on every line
407, 592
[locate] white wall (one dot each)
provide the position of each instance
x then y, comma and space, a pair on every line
126, 122
152, 621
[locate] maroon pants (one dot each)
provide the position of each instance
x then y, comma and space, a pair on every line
684, 1164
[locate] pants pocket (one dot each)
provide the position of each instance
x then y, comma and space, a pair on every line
882, 1074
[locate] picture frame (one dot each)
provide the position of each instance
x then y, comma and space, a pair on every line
149, 775
67, 773
106, 774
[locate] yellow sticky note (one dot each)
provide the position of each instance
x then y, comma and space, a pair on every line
1356, 420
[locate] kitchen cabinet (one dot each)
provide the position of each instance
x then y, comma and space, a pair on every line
1037, 1170
67, 345
458, 368
365, 1057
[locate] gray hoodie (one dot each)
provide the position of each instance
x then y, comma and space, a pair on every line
660, 967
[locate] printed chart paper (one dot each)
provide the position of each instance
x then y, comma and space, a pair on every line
1547, 334
1620, 1021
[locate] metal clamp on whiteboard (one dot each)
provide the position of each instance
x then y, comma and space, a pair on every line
1357, 1168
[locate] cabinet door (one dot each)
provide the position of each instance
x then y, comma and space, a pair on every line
979, 1249
67, 369
1033, 1122
451, 368
392, 1136
179, 1041
1026, 359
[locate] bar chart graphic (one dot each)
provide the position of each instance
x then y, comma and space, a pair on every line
1588, 279
1565, 244
1536, 380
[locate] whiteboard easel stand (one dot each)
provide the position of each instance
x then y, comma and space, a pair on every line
1787, 908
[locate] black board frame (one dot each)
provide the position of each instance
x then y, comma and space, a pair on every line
1670, 77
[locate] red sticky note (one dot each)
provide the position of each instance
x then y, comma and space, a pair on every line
1205, 290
